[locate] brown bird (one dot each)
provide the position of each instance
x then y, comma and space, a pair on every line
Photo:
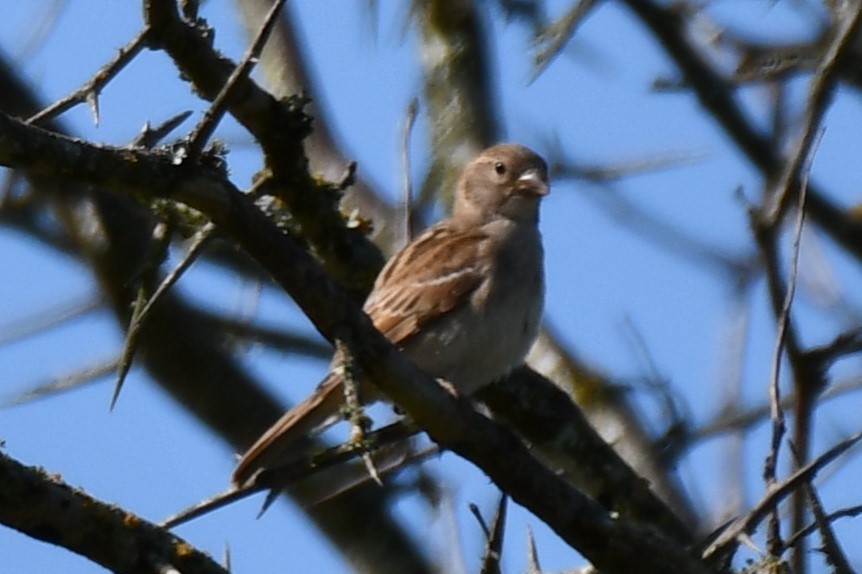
463, 300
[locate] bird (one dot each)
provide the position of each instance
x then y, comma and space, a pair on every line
463, 300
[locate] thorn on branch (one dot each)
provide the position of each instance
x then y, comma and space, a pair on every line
158, 252
348, 178
149, 137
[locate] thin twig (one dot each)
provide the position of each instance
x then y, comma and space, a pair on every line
819, 98
161, 236
795, 172
774, 494
276, 338
89, 92
494, 539
552, 40
63, 383
732, 420
844, 344
850, 512
276, 479
49, 318
144, 305
388, 459
205, 128
831, 547
198, 243
776, 412
654, 382
719, 99
480, 520
809, 382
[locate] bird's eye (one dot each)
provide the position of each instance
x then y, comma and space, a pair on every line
500, 167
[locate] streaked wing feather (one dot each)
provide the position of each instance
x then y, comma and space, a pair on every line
411, 291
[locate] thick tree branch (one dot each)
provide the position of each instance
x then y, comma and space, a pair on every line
562, 436
284, 64
187, 357
42, 506
610, 544
279, 126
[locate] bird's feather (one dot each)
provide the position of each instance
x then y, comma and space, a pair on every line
399, 308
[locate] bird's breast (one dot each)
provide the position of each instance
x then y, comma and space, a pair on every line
487, 338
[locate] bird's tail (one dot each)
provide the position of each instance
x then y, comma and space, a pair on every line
285, 441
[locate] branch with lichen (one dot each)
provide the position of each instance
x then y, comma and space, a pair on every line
44, 507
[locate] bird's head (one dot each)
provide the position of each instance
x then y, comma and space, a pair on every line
506, 180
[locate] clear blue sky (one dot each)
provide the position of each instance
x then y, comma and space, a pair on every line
149, 456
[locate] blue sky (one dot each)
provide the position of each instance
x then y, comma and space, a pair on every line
604, 279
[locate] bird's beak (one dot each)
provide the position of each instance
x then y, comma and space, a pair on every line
532, 183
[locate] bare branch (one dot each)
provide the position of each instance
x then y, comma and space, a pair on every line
89, 92
61, 384
831, 547
45, 508
746, 524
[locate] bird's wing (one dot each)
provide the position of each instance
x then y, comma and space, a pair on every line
411, 291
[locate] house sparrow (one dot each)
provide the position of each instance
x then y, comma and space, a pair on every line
463, 300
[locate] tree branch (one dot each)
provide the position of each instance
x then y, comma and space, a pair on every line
43, 507
610, 544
